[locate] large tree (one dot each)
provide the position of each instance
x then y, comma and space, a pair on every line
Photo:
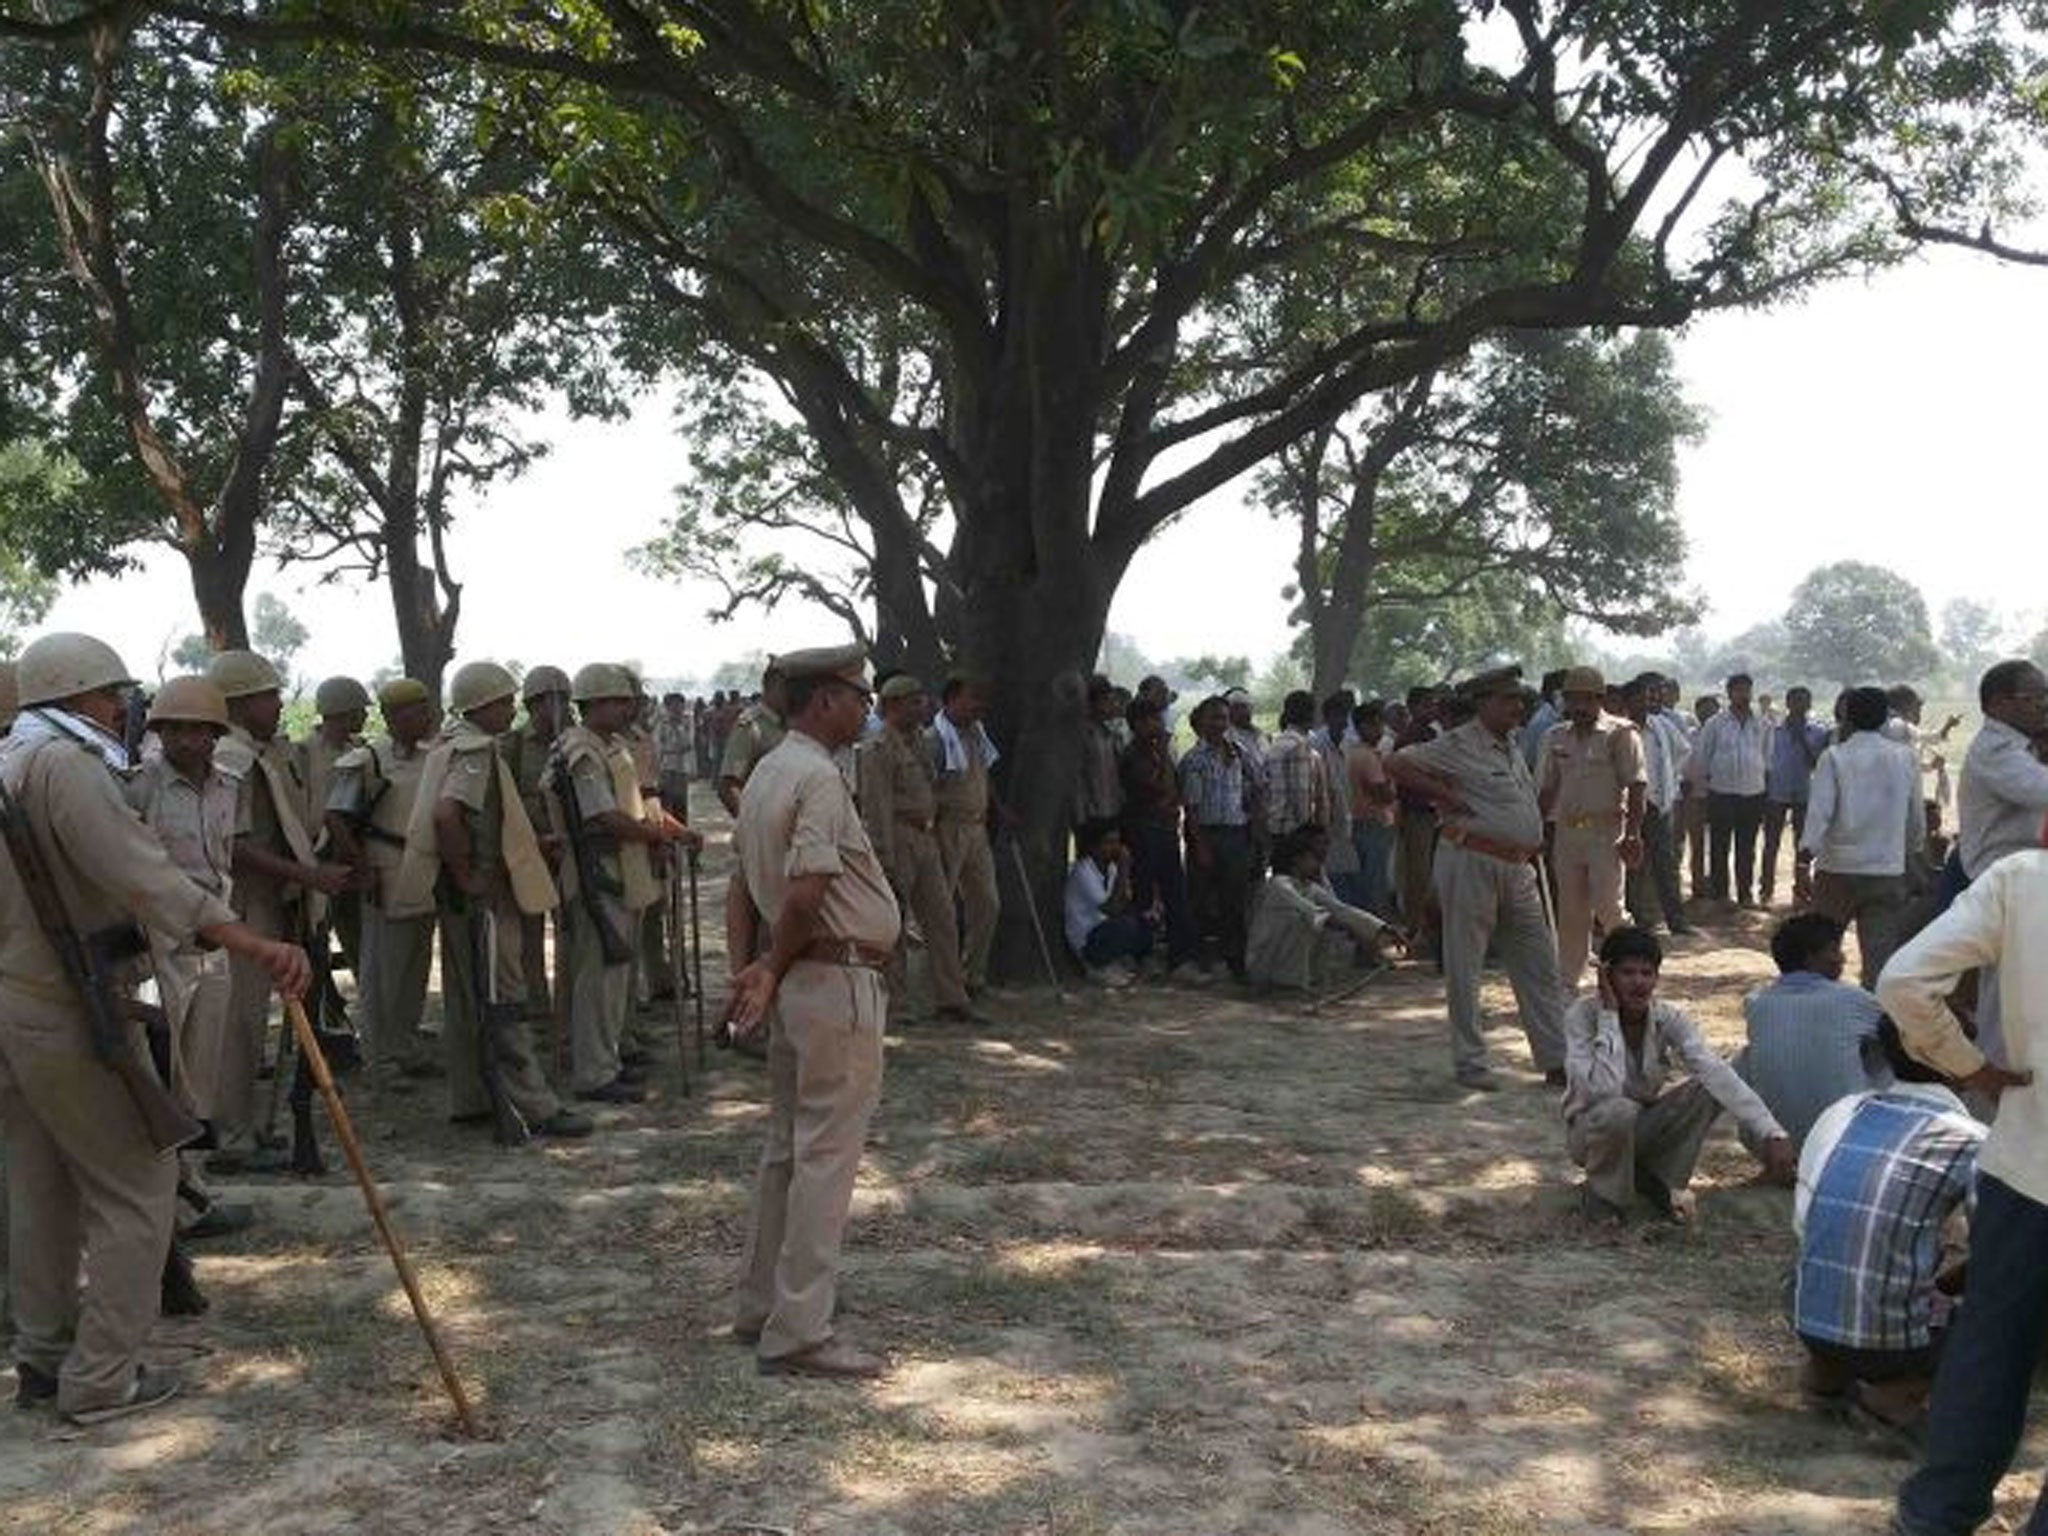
1548, 458
406, 311
1851, 622
1004, 249
146, 211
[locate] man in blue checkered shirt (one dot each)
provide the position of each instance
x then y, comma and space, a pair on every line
1880, 1179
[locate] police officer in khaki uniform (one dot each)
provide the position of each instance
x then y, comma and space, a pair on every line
807, 870
757, 732
1486, 875
192, 810
962, 756
1592, 782
604, 811
89, 1196
471, 852
369, 807
899, 807
343, 705
654, 981
278, 878
545, 693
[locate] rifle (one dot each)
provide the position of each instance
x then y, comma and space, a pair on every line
696, 960
90, 962
493, 1018
616, 950
678, 968
306, 1158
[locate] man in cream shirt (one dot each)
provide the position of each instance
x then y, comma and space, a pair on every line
1980, 1392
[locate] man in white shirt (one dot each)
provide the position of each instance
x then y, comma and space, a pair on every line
1730, 760
1104, 934
1980, 1391
1863, 820
2002, 803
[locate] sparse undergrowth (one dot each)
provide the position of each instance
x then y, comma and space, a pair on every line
1171, 1262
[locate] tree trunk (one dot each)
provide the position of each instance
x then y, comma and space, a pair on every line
220, 577
1340, 617
426, 630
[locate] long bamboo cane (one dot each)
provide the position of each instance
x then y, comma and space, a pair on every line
345, 1133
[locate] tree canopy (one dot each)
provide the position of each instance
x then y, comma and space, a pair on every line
1851, 623
1551, 458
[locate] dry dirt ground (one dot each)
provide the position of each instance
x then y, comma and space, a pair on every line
1173, 1263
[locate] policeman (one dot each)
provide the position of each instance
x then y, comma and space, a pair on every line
471, 853
526, 748
654, 982
1486, 876
758, 731
344, 707
962, 756
1592, 782
608, 878
84, 1177
899, 807
808, 872
369, 807
191, 809
279, 889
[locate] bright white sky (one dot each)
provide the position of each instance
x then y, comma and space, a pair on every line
1891, 422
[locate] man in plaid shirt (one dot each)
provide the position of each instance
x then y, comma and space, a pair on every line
1297, 787
1880, 1178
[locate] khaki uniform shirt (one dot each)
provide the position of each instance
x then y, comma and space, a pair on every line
375, 787
196, 823
1587, 777
527, 756
1493, 778
797, 818
314, 760
272, 824
603, 777
757, 732
896, 790
962, 793
108, 867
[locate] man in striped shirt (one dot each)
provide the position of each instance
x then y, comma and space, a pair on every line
1881, 1177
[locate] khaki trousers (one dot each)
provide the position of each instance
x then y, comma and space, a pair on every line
600, 996
920, 877
970, 865
196, 989
238, 1101
398, 953
1487, 899
1618, 1137
462, 1036
1588, 869
87, 1195
824, 1078
533, 940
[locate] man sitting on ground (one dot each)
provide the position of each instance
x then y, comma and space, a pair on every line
1631, 1128
1104, 933
1811, 1035
1304, 937
1884, 1183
